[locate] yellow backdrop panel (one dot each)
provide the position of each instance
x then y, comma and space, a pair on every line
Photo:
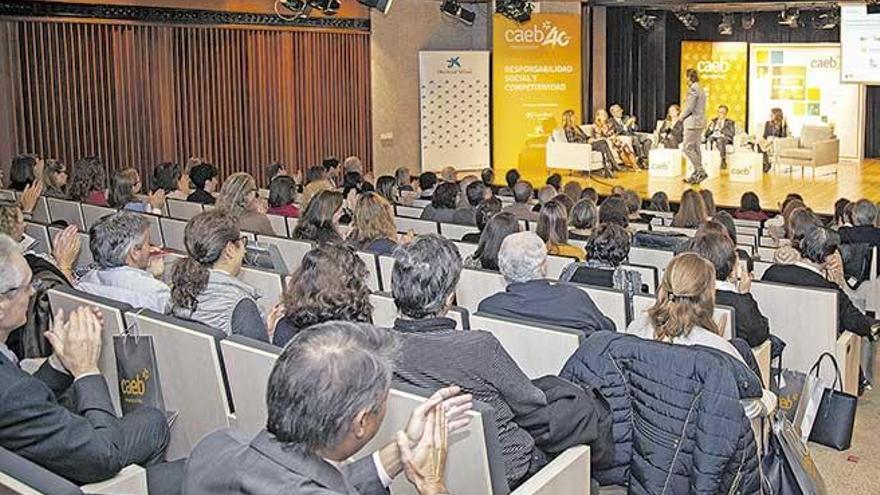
723, 68
536, 75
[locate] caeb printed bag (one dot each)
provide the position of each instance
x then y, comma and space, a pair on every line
137, 371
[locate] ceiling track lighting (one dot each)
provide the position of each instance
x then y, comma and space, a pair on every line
748, 21
790, 17
515, 10
687, 19
827, 20
725, 27
453, 9
645, 20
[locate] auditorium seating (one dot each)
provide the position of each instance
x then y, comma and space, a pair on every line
292, 251
91, 214
68, 211
183, 210
85, 259
267, 282
248, 365
385, 312
725, 314
419, 227
454, 231
40, 233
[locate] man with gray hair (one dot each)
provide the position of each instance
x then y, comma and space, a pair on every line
326, 398
530, 296
863, 231
120, 245
521, 209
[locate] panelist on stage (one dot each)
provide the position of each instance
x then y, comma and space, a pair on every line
603, 131
572, 133
670, 130
720, 133
626, 125
694, 117
774, 128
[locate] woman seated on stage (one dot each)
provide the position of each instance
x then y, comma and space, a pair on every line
571, 132
692, 211
604, 131
774, 128
553, 229
671, 131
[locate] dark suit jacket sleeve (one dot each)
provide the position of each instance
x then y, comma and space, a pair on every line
362, 474
766, 130
57, 381
84, 446
729, 129
512, 383
593, 317
851, 318
751, 325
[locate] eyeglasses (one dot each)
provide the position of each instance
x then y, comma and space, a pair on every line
33, 287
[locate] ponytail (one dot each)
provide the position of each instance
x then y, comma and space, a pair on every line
685, 298
188, 279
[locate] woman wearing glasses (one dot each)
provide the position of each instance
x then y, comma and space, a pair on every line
239, 198
204, 284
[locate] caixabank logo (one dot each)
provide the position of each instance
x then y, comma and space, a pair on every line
545, 34
454, 65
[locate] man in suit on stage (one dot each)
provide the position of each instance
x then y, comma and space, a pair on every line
720, 133
626, 125
694, 118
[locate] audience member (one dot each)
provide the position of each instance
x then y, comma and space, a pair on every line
282, 195
332, 171
448, 174
316, 182
326, 399
555, 181
373, 228
545, 194
168, 178
573, 190
659, 202
841, 218
522, 194
128, 264
239, 199
486, 210
205, 287
531, 296
708, 202
125, 185
591, 194
427, 183
583, 219
800, 220
613, 210
553, 229
386, 186
274, 170
776, 225
403, 179
204, 181
320, 220
607, 249
497, 229
330, 284
23, 172
55, 179
476, 193
353, 164
511, 178
863, 231
691, 212
565, 201
352, 181
750, 208
87, 443
487, 176
444, 204
633, 206
433, 355
683, 313
732, 286
618, 190
462, 189
88, 182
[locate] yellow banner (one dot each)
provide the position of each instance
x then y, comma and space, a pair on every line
536, 76
723, 68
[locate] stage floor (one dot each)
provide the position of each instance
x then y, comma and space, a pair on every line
852, 181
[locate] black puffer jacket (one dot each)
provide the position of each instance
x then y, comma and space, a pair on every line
679, 427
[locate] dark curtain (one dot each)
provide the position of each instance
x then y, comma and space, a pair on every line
872, 117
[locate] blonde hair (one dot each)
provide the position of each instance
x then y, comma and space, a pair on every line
234, 195
691, 212
685, 298
372, 219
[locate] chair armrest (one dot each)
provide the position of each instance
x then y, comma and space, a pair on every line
848, 353
132, 480
826, 152
762, 356
569, 473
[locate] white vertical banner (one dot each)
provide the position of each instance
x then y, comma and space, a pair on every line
454, 109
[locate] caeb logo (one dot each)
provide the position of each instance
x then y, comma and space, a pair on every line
713, 66
824, 63
545, 35
453, 63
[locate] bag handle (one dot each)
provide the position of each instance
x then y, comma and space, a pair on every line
838, 381
132, 330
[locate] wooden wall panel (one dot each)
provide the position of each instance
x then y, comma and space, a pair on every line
137, 95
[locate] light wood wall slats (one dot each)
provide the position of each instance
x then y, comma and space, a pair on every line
140, 94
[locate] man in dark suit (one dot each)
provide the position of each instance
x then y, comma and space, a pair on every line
626, 125
720, 133
88, 444
694, 118
326, 399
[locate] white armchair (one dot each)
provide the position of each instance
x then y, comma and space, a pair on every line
817, 147
572, 156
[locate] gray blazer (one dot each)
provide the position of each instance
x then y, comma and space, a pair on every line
228, 462
694, 114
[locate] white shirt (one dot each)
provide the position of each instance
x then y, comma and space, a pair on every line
641, 327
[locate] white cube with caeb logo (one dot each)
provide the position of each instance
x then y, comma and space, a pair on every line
664, 162
745, 166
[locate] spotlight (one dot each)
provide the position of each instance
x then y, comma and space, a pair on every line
644, 19
748, 21
687, 19
383, 6
790, 18
299, 8
826, 20
454, 9
725, 28
515, 10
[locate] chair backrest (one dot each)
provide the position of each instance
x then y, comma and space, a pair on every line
373, 280
69, 299
93, 213
680, 230
407, 211
611, 302
267, 282
651, 257
642, 303
279, 225
386, 266
465, 249
455, 232
248, 363
19, 476
192, 376
183, 210
40, 233
292, 251
385, 312
173, 231
85, 259
156, 238
292, 222
41, 211
760, 268
537, 348
476, 285
556, 265
68, 211
420, 227
8, 195
811, 134
650, 275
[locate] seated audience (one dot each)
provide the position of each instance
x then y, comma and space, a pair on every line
329, 284
776, 225
320, 220
128, 264
800, 220
326, 399
125, 185
23, 172
205, 287
484, 212
444, 204
815, 248
583, 219
448, 174
168, 177
403, 179
497, 229
531, 296
65, 245
432, 355
239, 199
863, 230
316, 181
553, 229
555, 181
750, 208
591, 194
708, 202
204, 181
522, 193
427, 182
55, 179
573, 190
86, 443
691, 212
353, 181
487, 177
659, 202
386, 186
545, 195
462, 190
275, 170
841, 218
332, 171
633, 207
282, 195
685, 307
88, 182
613, 210
607, 250
511, 178
732, 286
564, 201
476, 193
373, 228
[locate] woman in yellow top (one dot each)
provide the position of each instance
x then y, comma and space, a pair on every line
553, 229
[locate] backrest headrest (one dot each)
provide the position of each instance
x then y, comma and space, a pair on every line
811, 134
16, 471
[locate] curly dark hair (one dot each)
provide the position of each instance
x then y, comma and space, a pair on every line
330, 284
609, 243
88, 175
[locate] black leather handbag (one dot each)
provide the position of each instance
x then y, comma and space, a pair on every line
836, 416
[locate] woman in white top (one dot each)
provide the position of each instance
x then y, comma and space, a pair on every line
684, 308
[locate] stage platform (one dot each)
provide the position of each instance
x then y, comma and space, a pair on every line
853, 181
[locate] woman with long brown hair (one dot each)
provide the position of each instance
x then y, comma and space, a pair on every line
54, 179
774, 128
602, 128
320, 220
571, 132
553, 229
683, 313
88, 182
238, 197
671, 131
373, 228
691, 212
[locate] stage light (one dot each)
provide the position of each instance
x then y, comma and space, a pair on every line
644, 19
327, 7
790, 18
725, 28
827, 20
748, 21
687, 19
454, 9
299, 8
515, 10
383, 6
